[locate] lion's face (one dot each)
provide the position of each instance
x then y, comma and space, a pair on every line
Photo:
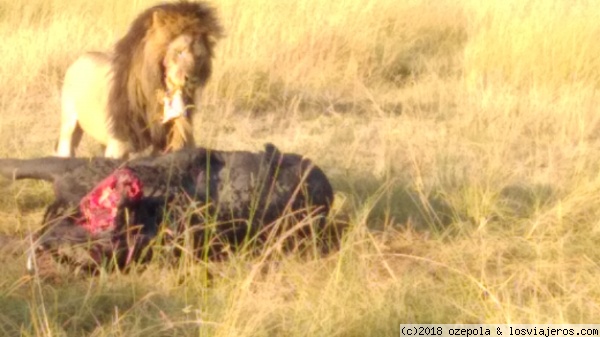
184, 64
159, 68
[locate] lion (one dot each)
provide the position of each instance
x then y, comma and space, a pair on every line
144, 93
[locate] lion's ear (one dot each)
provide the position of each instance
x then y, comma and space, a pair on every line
159, 18
211, 40
213, 36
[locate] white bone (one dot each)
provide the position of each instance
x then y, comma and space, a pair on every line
174, 107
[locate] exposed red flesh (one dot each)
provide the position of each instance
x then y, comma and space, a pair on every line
99, 207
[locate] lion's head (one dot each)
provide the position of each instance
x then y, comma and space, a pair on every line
158, 67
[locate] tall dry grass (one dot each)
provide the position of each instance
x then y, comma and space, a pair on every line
461, 138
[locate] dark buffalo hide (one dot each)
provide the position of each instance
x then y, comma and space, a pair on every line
110, 210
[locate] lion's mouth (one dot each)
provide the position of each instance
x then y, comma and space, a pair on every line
174, 106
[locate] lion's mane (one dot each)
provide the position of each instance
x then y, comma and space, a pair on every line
138, 71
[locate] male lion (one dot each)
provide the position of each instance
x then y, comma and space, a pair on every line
139, 95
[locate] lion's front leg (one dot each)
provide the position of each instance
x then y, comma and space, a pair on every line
116, 149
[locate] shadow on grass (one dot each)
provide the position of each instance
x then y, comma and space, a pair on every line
399, 203
393, 203
522, 200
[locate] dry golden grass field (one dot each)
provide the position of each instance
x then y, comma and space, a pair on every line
462, 139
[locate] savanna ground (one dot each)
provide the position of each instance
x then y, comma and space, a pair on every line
462, 138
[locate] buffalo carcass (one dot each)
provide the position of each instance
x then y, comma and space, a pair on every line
108, 209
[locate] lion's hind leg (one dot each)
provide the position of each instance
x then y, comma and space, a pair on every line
70, 134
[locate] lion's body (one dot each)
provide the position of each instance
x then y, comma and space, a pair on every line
89, 97
138, 95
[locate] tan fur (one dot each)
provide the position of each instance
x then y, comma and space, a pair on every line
116, 98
